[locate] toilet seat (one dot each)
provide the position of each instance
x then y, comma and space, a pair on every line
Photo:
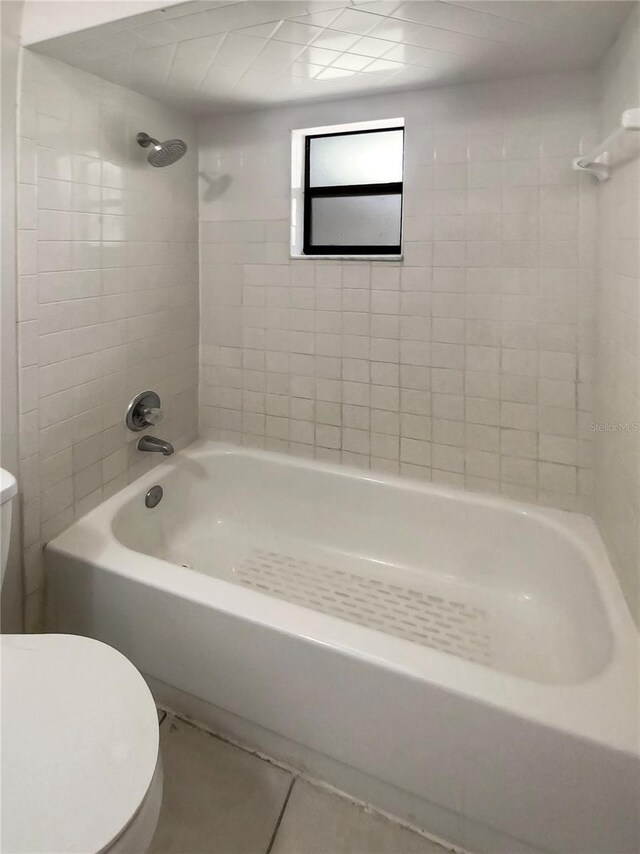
80, 746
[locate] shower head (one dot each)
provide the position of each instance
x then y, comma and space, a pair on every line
162, 153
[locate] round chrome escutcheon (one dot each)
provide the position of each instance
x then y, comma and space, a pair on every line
154, 496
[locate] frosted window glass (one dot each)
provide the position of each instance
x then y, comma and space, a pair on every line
356, 220
361, 158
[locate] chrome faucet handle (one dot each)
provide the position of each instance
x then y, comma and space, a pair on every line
143, 411
152, 415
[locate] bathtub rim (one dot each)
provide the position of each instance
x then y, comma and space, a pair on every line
602, 708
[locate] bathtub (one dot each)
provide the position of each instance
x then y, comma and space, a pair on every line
464, 661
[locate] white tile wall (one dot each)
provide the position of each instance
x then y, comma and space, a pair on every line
469, 362
108, 294
617, 383
11, 604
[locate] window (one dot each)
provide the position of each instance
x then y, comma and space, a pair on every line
351, 191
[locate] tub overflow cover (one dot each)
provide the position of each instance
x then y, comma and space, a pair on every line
154, 496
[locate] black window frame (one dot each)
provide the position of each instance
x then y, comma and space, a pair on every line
393, 188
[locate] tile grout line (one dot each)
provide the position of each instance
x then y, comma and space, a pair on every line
281, 815
169, 713
297, 774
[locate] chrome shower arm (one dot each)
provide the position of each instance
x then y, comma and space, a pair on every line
145, 140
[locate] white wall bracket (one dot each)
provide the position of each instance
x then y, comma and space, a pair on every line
598, 161
598, 167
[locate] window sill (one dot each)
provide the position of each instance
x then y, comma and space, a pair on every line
346, 257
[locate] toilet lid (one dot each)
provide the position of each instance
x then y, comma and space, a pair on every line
8, 486
79, 743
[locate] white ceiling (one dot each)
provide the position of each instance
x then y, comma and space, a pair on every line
216, 55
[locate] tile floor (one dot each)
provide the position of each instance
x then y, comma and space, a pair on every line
221, 799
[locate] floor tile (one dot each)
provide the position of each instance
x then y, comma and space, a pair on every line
217, 798
318, 822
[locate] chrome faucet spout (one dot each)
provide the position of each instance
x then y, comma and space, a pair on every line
155, 445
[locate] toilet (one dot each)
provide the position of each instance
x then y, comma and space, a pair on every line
81, 769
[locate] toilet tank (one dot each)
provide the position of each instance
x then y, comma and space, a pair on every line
8, 488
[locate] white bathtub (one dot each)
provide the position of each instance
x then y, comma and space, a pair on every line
466, 661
